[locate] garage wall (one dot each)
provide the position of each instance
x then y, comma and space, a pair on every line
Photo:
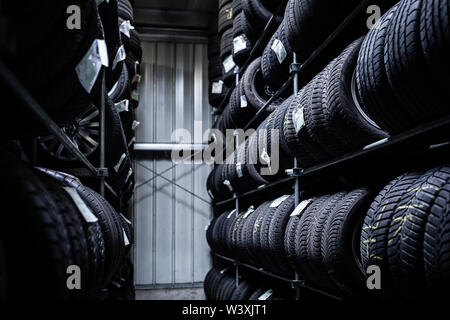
170, 246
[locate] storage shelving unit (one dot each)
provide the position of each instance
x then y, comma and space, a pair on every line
402, 148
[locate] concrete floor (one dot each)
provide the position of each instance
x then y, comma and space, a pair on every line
171, 294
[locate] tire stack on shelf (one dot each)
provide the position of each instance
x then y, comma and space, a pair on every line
62, 65
383, 83
220, 284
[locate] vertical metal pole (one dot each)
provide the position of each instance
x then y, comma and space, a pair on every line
102, 134
236, 145
297, 179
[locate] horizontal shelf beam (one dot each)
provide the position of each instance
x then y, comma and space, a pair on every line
294, 284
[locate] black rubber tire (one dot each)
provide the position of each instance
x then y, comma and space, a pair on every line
304, 138
277, 230
44, 238
242, 292
375, 229
406, 232
125, 10
274, 72
338, 245
242, 28
76, 233
259, 11
226, 44
434, 34
315, 230
290, 136
316, 115
406, 67
375, 93
301, 235
302, 16
112, 234
344, 117
436, 244
225, 21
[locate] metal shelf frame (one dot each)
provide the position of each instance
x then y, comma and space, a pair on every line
296, 174
24, 96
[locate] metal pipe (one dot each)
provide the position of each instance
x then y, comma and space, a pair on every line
102, 134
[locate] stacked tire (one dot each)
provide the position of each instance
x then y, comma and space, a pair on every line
67, 229
316, 239
220, 284
406, 232
65, 77
402, 69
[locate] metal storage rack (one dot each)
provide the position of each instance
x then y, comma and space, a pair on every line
23, 95
396, 144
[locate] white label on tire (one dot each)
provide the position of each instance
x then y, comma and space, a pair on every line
298, 119
231, 213
266, 295
90, 65
135, 124
298, 211
126, 27
210, 194
228, 184
122, 106
217, 87
280, 51
117, 166
82, 207
228, 64
239, 44
239, 170
126, 241
121, 55
244, 102
130, 172
103, 52
278, 201
249, 211
207, 226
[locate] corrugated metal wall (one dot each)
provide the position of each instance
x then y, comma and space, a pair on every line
170, 247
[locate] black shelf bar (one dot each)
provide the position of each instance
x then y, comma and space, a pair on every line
293, 283
254, 191
396, 140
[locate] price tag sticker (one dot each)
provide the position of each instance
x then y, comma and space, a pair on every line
298, 211
228, 64
299, 119
239, 44
244, 102
276, 203
239, 170
279, 49
266, 295
217, 87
